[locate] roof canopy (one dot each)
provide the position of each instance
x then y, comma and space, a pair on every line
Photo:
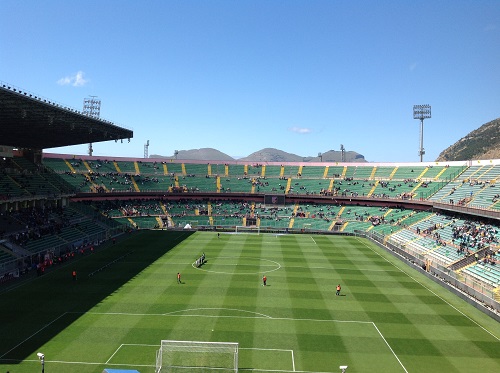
29, 121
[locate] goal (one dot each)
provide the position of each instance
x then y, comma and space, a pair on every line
194, 356
249, 229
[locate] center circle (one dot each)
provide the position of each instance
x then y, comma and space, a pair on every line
218, 264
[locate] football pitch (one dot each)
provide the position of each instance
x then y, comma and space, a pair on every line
126, 299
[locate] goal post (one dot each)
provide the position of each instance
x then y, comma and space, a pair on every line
194, 356
247, 229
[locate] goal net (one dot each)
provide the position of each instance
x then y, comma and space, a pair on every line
249, 229
197, 357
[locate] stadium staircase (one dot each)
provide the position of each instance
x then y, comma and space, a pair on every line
373, 188
330, 187
439, 174
422, 173
393, 172
134, 183
496, 294
87, 166
160, 222
69, 166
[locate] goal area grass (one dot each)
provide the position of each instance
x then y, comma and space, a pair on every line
126, 299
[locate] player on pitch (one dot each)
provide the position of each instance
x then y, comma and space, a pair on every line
264, 280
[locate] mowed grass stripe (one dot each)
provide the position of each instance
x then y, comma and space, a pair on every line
371, 294
420, 327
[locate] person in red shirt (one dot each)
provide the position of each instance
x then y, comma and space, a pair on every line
74, 275
264, 280
178, 278
338, 290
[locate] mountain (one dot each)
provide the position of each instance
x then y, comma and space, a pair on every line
482, 143
203, 154
264, 155
272, 155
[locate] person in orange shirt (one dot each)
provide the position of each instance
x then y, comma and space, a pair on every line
338, 290
178, 278
264, 280
74, 275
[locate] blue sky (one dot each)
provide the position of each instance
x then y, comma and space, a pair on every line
240, 76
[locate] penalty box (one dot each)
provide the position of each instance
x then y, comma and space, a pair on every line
283, 344
269, 359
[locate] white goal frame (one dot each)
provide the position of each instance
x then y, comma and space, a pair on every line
255, 229
195, 356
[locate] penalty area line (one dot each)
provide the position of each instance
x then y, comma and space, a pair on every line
390, 348
35, 333
432, 292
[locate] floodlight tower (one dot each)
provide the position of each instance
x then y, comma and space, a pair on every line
91, 108
421, 112
342, 153
146, 149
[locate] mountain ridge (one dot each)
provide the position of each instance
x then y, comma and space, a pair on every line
263, 155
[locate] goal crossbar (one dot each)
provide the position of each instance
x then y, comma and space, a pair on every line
183, 356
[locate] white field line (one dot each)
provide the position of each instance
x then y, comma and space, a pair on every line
241, 348
277, 370
114, 353
425, 287
219, 309
35, 333
89, 363
265, 349
390, 348
243, 265
149, 366
340, 269
273, 349
265, 317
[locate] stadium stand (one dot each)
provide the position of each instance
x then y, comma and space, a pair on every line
444, 215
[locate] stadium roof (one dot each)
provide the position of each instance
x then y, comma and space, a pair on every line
29, 121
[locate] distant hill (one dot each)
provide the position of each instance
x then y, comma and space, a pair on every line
202, 154
264, 155
483, 143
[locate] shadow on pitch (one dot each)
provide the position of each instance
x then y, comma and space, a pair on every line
40, 309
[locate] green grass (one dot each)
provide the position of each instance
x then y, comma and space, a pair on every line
390, 318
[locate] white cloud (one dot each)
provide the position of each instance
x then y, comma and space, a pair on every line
76, 80
300, 130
